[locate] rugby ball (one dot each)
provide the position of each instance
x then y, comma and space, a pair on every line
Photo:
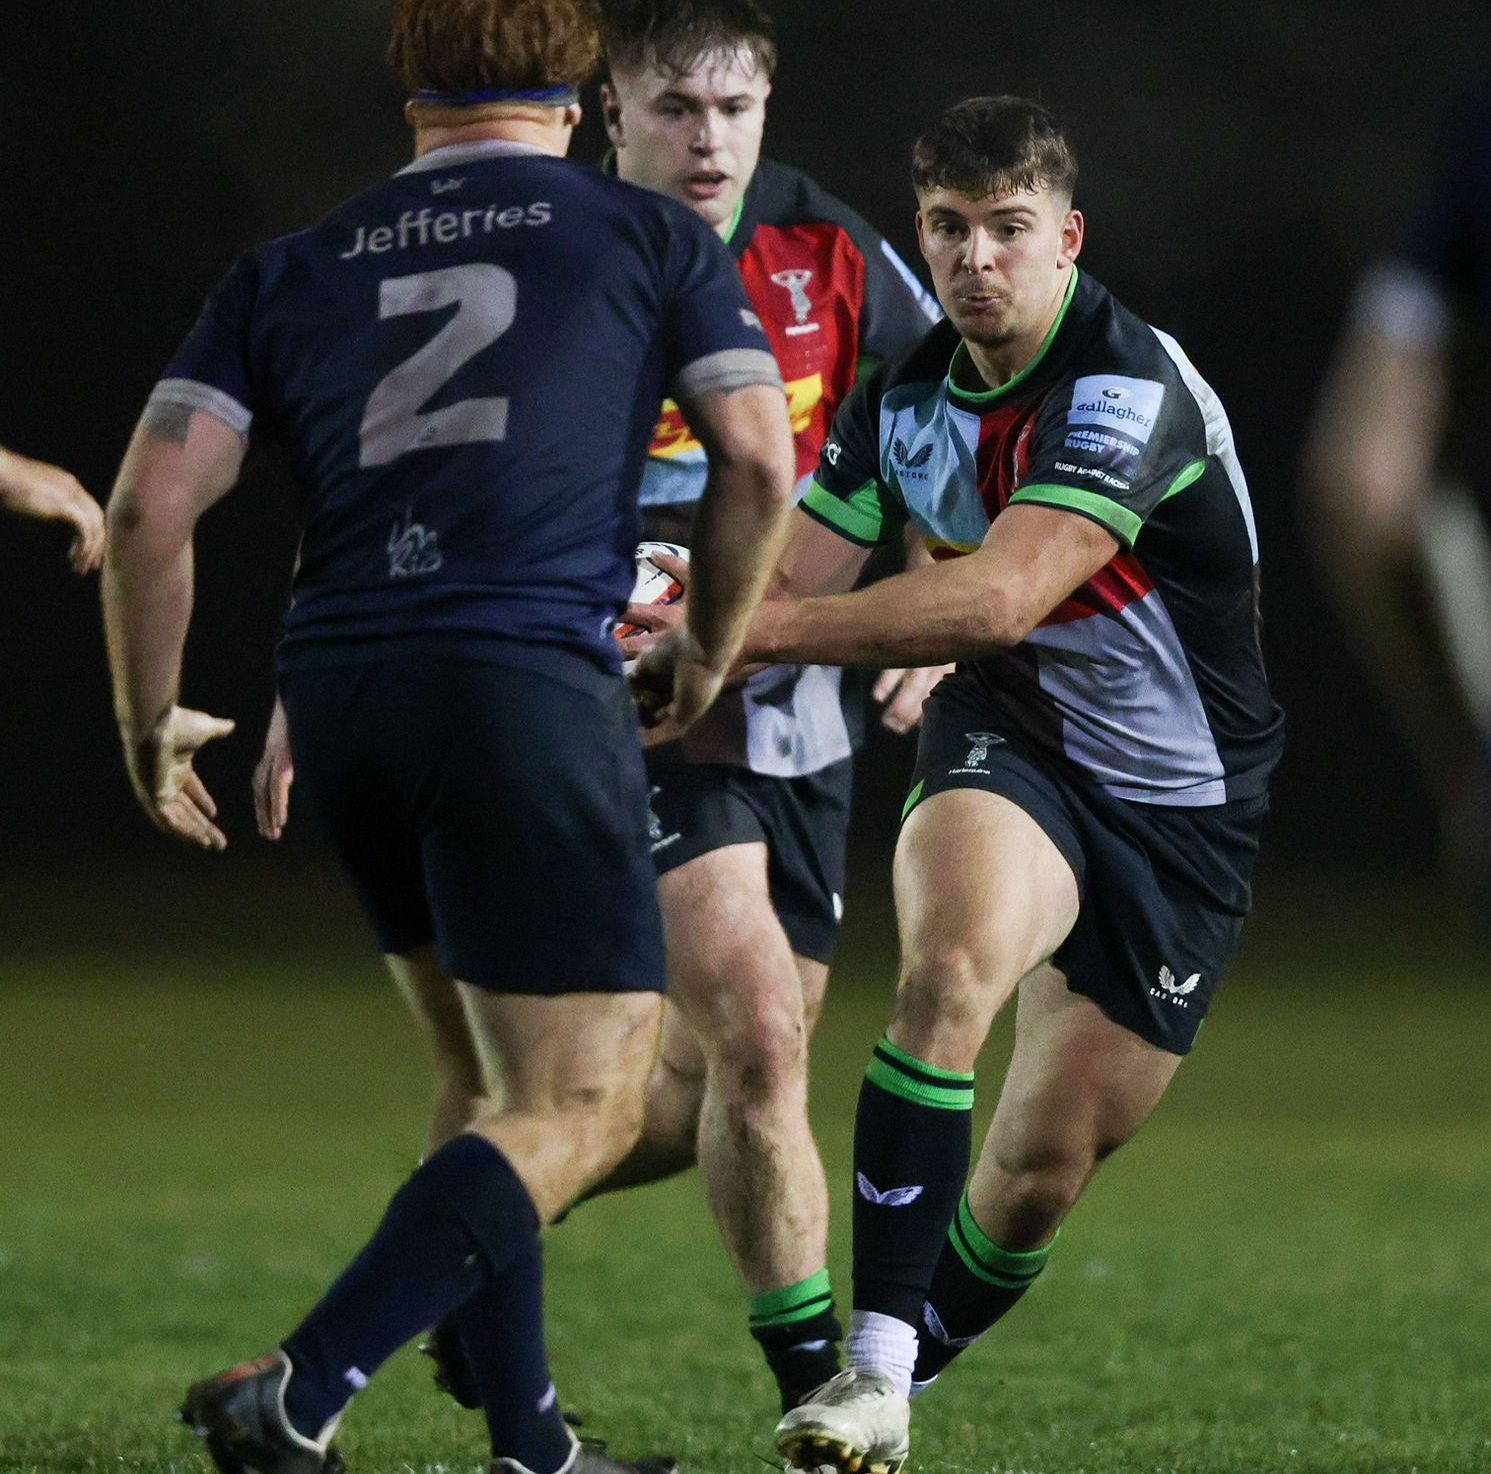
652, 585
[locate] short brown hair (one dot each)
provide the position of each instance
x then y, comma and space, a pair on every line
994, 146
676, 35
460, 47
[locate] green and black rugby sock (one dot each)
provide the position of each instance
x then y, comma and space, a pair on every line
912, 1140
797, 1329
975, 1285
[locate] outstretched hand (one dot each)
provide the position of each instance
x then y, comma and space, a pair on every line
35, 489
168, 788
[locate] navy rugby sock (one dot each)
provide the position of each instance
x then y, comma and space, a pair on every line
912, 1139
502, 1329
976, 1283
798, 1331
455, 1228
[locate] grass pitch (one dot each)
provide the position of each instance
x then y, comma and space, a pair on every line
1287, 1271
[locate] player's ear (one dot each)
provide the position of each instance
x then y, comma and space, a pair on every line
409, 113
572, 115
611, 115
921, 235
1073, 229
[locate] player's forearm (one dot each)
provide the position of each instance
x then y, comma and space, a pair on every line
32, 488
147, 593
737, 540
928, 616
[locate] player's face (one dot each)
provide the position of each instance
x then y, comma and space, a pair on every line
998, 263
696, 137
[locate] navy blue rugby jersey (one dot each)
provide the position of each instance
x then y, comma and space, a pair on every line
465, 364
1149, 679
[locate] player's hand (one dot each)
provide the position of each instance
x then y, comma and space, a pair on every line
673, 687
652, 621
274, 776
904, 693
35, 489
170, 792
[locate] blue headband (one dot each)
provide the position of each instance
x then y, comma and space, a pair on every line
542, 96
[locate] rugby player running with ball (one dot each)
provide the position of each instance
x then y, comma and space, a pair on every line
1091, 782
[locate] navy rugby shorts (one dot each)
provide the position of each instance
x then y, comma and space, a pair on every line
804, 823
1165, 890
497, 811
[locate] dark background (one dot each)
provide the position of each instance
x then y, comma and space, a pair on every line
1240, 163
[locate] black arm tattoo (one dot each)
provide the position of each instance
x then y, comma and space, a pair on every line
166, 421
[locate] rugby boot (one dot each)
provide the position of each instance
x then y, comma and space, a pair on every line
241, 1415
857, 1423
590, 1457
453, 1374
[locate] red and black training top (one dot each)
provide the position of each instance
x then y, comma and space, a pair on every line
830, 292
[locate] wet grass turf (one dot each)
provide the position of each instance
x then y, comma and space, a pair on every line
1287, 1271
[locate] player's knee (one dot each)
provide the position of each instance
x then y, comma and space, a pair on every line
943, 1003
1037, 1191
457, 1105
599, 1121
762, 1055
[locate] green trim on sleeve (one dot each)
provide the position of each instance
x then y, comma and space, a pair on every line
1188, 477
1122, 523
860, 517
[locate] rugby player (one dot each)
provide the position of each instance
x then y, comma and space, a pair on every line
1405, 546
751, 809
452, 687
1089, 784
34, 489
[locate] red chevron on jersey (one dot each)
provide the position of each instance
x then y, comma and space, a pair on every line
1109, 591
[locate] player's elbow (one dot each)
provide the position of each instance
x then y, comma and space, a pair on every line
126, 512
749, 439
146, 520
1000, 621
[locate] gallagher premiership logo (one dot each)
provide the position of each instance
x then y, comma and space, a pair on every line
1120, 403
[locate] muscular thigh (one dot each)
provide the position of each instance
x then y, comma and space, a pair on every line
1079, 1085
699, 809
980, 885
580, 1051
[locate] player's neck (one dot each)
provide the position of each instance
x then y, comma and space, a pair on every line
550, 137
996, 364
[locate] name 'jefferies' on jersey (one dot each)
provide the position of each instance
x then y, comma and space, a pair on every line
454, 358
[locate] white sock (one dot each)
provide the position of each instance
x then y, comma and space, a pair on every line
881, 1343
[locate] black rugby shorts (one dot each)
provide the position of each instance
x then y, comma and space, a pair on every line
497, 811
1164, 890
697, 808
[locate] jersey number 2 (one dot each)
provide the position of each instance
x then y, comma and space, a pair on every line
486, 301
